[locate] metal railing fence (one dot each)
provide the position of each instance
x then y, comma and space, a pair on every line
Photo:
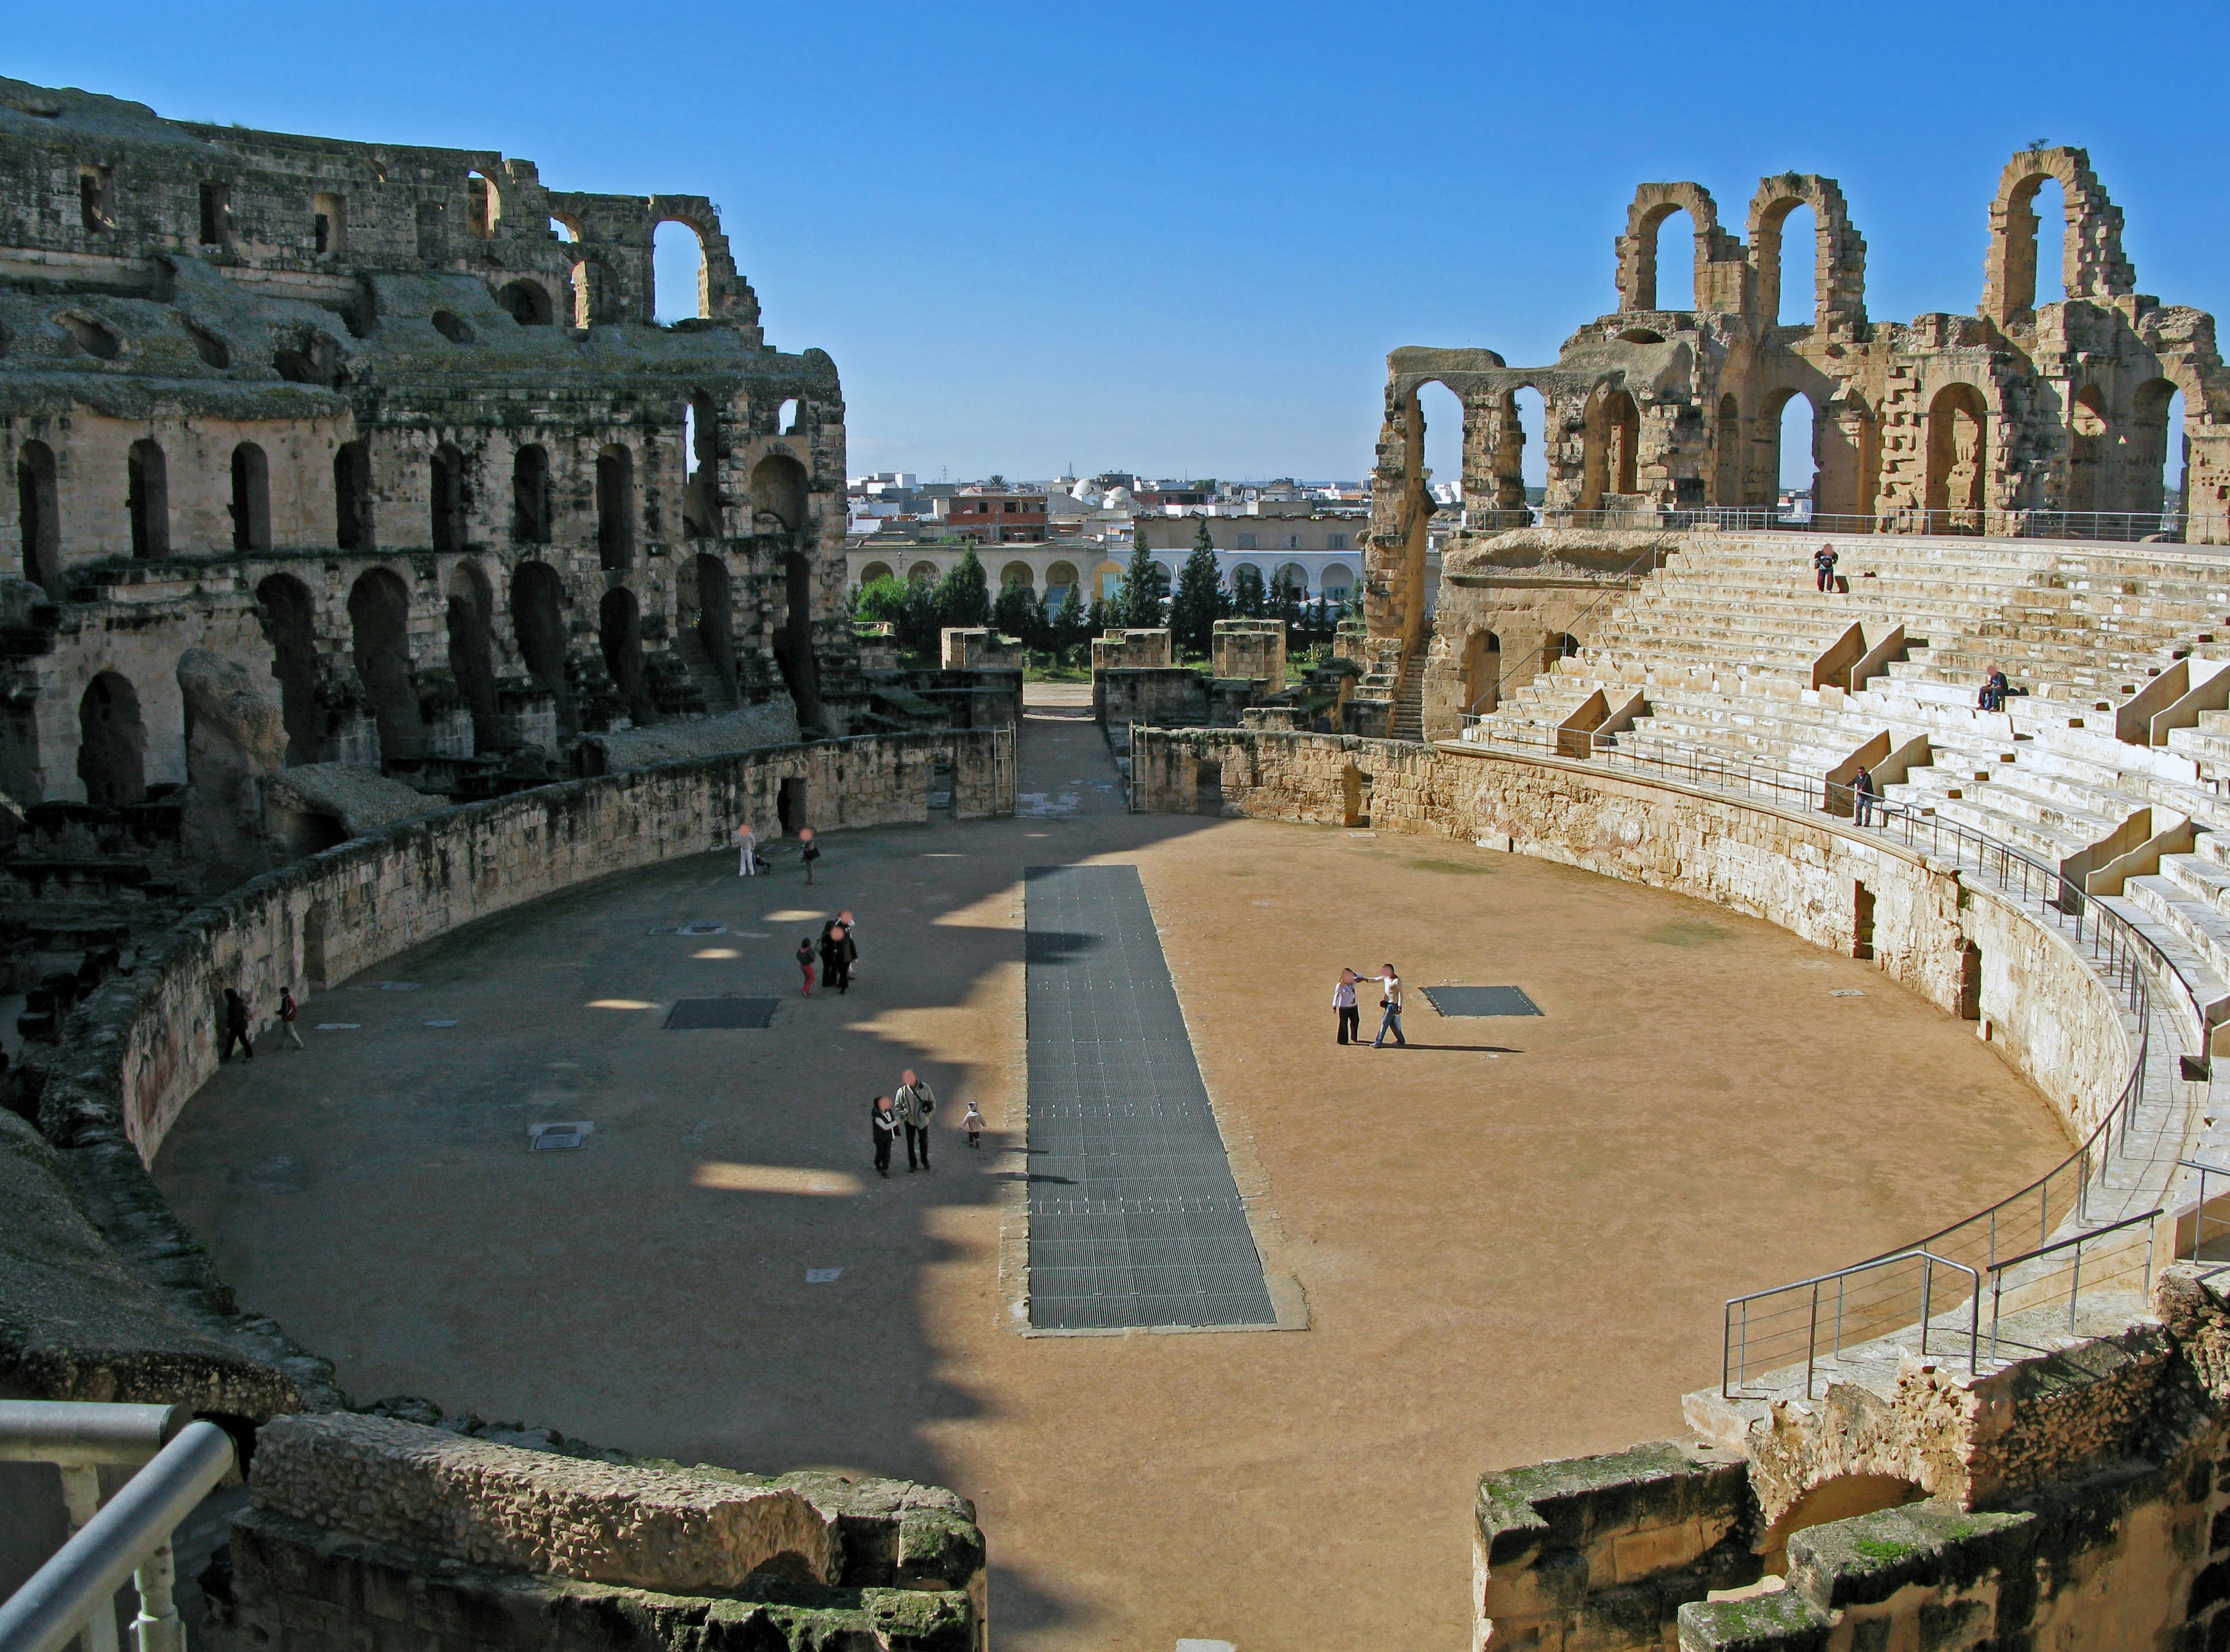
2105, 527
2041, 1287
72, 1596
1777, 1328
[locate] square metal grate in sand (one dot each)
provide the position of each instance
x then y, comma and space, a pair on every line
692, 1013
1481, 1000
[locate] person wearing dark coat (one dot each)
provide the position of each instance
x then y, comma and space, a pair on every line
837, 953
236, 1025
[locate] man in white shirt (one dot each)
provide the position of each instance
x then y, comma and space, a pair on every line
1390, 985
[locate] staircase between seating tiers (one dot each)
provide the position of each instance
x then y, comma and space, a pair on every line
2102, 764
1408, 720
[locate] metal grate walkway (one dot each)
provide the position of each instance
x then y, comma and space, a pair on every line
1134, 1217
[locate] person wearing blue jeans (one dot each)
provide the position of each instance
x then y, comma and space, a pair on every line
1390, 1021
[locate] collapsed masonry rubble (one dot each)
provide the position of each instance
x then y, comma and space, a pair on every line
366, 455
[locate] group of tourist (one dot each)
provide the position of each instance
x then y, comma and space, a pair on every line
1348, 1011
237, 1021
836, 952
747, 841
911, 1110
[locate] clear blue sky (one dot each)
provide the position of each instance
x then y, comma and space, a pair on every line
1181, 238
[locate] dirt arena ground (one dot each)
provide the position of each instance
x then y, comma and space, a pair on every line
1513, 1237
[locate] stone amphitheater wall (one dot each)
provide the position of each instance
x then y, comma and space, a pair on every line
2040, 1000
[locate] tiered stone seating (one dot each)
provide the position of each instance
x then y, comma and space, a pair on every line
1725, 644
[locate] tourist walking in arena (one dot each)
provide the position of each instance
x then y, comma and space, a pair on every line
748, 842
805, 961
1390, 1020
1345, 1007
916, 1105
288, 1011
884, 1124
812, 851
838, 955
1862, 795
1823, 565
236, 1025
974, 1122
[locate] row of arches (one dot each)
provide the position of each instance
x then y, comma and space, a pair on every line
778, 485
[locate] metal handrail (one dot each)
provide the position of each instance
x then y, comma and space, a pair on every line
2101, 527
2075, 1287
1929, 1260
2123, 953
129, 1538
2199, 1210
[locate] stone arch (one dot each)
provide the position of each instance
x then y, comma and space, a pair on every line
531, 508
2093, 263
615, 507
448, 521
472, 652
1612, 461
2139, 480
528, 303
1838, 256
1720, 266
778, 491
924, 573
793, 644
112, 750
38, 514
875, 571
716, 620
1958, 459
1015, 573
251, 498
1772, 422
290, 616
1294, 576
722, 293
379, 624
537, 627
1727, 453
1060, 576
147, 498
700, 466
1847, 440
597, 296
1841, 1498
619, 629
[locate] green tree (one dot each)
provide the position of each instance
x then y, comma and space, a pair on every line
1200, 601
1145, 582
881, 601
1249, 599
963, 595
1071, 627
1016, 613
1285, 605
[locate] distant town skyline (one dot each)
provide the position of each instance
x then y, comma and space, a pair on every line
1191, 237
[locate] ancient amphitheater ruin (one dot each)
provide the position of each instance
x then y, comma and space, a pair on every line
386, 567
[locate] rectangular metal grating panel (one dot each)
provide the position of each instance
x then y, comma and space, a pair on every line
1481, 1000
1134, 1217
693, 1012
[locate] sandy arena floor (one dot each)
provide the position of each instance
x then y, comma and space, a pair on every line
1514, 1237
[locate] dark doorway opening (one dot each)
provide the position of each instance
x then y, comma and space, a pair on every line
449, 526
147, 498
471, 652
529, 496
619, 626
537, 621
1862, 923
790, 806
1207, 789
793, 645
940, 787
1970, 981
251, 498
716, 621
352, 496
290, 616
379, 619
38, 506
616, 508
111, 742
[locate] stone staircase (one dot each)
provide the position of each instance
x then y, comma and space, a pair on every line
1408, 719
2111, 763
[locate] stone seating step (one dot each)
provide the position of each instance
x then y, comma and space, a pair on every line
2210, 987
2203, 930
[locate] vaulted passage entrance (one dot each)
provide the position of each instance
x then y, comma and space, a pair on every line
111, 746
379, 619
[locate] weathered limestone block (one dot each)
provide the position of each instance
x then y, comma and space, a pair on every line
236, 738
348, 798
1139, 647
1250, 648
440, 1494
969, 648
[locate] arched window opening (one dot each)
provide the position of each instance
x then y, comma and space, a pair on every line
785, 418
1291, 577
450, 526
875, 571
2175, 478
527, 302
924, 573
1017, 574
615, 506
1060, 580
1622, 427
1957, 430
251, 498
1799, 266
793, 641
147, 499
379, 624
1798, 461
716, 622
483, 204
2088, 450
1676, 261
2151, 473
619, 627
1534, 441
530, 495
777, 495
289, 614
352, 496
111, 746
563, 229
537, 624
2050, 205
700, 490
38, 514
677, 264
1442, 414
1557, 645
1727, 454
92, 337
472, 654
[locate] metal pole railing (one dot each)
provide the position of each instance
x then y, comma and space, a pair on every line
128, 1539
